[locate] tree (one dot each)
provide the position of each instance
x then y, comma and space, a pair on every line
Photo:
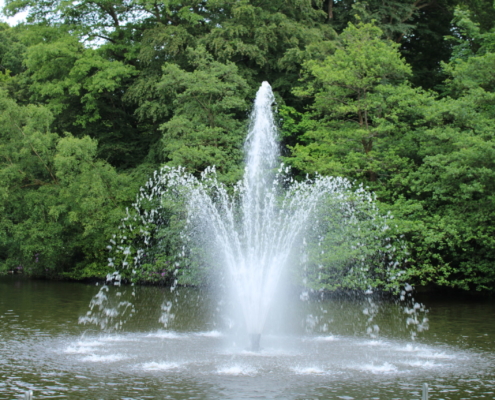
428, 159
83, 89
11, 52
419, 26
453, 185
358, 92
208, 126
59, 204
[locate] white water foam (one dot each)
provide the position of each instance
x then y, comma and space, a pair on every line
237, 370
425, 352
119, 338
409, 348
104, 358
373, 343
210, 334
89, 343
385, 368
159, 366
308, 371
329, 338
83, 347
79, 350
436, 355
166, 335
423, 364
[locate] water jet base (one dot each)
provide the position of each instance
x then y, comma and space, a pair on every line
254, 339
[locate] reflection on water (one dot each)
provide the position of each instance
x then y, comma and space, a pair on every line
323, 351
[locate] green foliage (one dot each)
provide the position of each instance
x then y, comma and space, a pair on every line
428, 160
11, 52
82, 89
206, 128
60, 203
453, 185
455, 190
359, 95
95, 95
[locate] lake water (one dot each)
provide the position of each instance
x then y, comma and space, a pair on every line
325, 349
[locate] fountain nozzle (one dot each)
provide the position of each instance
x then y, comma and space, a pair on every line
254, 339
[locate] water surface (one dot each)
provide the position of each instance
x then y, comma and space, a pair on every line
320, 351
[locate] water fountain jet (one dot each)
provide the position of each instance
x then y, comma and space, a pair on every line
269, 222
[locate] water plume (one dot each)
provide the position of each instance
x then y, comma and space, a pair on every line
268, 223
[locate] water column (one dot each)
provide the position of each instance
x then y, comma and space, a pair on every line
257, 275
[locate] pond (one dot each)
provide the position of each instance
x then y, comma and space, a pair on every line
325, 349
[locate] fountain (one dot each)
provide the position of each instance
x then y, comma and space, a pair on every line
261, 228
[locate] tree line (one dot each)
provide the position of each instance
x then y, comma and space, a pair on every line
398, 96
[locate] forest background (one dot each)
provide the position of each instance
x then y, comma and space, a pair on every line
398, 95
